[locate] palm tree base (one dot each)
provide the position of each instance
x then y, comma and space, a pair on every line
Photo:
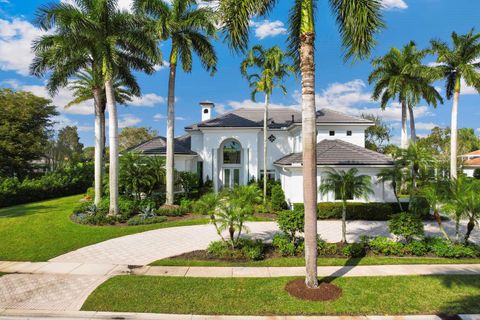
324, 292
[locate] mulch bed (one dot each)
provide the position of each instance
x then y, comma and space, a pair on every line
325, 291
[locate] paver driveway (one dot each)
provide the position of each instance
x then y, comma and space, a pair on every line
54, 291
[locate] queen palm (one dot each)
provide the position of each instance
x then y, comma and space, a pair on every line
346, 185
94, 34
190, 29
272, 68
83, 89
454, 64
400, 75
394, 177
358, 23
418, 160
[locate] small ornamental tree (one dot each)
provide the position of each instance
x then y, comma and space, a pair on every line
291, 222
278, 198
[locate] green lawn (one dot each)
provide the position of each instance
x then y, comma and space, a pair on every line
300, 262
42, 230
266, 296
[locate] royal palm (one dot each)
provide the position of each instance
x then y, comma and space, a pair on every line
401, 75
94, 34
190, 29
454, 64
83, 88
270, 67
358, 23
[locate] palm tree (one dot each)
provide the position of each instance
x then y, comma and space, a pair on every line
346, 185
94, 34
419, 160
434, 194
454, 64
393, 176
358, 23
190, 29
400, 73
83, 89
272, 71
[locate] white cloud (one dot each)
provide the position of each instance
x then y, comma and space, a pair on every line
466, 89
158, 116
425, 125
62, 98
62, 121
147, 100
267, 28
128, 120
164, 65
16, 37
394, 4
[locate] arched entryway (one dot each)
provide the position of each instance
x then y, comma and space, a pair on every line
231, 168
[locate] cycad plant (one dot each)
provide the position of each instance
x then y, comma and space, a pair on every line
400, 74
346, 185
84, 88
270, 67
461, 61
358, 23
94, 34
190, 28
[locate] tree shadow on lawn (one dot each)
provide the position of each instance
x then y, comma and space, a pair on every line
468, 304
25, 210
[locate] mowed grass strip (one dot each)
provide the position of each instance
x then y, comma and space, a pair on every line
42, 230
266, 296
299, 262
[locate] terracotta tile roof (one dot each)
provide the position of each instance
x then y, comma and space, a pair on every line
339, 152
472, 162
474, 153
158, 145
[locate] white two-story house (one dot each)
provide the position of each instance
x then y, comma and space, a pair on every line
228, 149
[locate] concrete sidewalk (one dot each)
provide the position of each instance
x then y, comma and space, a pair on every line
28, 314
89, 269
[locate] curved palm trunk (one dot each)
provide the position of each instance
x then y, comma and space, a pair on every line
171, 129
470, 226
309, 139
453, 134
437, 217
403, 137
99, 145
113, 142
413, 132
265, 137
394, 187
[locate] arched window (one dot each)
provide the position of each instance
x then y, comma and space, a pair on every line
232, 152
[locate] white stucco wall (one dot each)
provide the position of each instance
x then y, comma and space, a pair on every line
468, 171
357, 137
280, 147
292, 184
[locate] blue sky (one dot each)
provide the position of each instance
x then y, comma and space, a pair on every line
341, 86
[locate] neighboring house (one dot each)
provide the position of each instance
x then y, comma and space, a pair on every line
228, 149
471, 161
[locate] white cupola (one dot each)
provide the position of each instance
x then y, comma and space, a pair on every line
207, 109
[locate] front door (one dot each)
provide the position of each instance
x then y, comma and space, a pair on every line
231, 177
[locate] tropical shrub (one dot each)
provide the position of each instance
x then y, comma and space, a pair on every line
406, 225
354, 250
355, 210
284, 245
386, 246
70, 180
476, 173
253, 249
416, 248
278, 198
291, 222
326, 248
172, 211
135, 221
190, 183
246, 249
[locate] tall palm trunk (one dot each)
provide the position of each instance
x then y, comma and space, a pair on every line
103, 139
309, 139
113, 143
403, 136
344, 222
98, 147
265, 137
470, 226
171, 127
413, 132
453, 133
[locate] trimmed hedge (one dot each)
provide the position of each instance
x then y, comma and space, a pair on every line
64, 182
355, 210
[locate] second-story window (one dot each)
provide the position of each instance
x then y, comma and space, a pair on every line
349, 133
332, 133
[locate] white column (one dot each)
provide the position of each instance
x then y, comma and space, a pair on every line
215, 169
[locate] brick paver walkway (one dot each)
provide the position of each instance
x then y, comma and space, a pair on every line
64, 282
